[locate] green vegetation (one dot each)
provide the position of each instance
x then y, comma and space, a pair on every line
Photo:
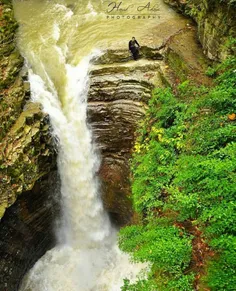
183, 187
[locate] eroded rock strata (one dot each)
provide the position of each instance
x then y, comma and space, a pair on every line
117, 99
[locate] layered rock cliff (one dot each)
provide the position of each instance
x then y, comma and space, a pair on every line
216, 24
117, 98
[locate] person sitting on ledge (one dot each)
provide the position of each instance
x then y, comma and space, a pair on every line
134, 48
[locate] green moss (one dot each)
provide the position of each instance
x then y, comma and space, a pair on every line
3, 207
178, 65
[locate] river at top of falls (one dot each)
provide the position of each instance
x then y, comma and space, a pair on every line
59, 39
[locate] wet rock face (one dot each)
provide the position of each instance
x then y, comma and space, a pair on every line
216, 24
117, 99
27, 231
26, 154
26, 147
12, 94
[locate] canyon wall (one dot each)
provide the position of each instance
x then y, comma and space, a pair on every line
27, 230
216, 24
117, 99
28, 203
26, 146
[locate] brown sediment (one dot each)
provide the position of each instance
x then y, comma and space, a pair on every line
201, 253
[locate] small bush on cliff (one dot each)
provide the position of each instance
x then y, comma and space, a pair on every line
183, 187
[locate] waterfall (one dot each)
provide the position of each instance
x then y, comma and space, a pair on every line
57, 39
87, 257
77, 162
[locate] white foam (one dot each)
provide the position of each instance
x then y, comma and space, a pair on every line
87, 257
91, 9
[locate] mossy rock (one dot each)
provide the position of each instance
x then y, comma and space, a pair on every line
26, 146
26, 154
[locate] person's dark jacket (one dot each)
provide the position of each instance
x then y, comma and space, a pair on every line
132, 45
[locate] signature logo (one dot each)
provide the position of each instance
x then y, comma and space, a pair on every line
120, 7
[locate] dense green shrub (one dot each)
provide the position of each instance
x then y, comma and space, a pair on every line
184, 171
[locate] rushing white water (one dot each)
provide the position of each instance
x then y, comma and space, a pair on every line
87, 257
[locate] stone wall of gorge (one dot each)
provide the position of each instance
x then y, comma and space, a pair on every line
216, 24
27, 230
26, 146
28, 204
118, 95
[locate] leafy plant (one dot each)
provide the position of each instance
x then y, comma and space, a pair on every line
183, 187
